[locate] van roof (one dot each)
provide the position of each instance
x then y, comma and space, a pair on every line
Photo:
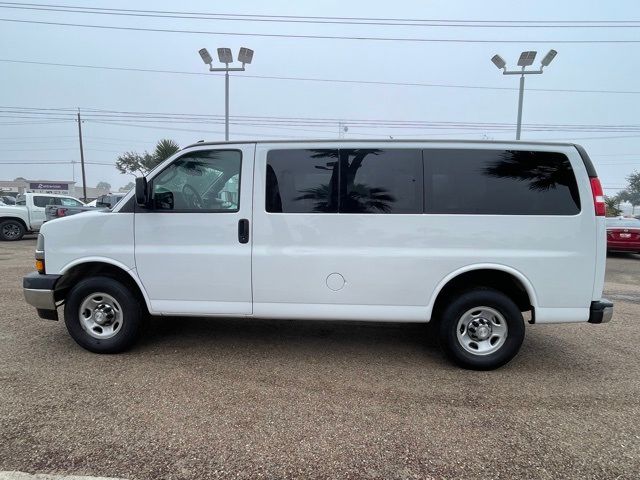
385, 140
591, 171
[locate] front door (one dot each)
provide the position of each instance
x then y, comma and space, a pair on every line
192, 247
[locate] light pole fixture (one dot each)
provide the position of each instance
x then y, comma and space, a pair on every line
526, 60
226, 56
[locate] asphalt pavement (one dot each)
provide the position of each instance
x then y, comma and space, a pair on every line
222, 398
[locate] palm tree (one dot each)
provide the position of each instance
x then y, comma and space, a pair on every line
612, 206
164, 149
140, 163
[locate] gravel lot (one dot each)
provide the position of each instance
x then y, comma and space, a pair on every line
279, 399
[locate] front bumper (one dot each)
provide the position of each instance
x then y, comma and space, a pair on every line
601, 311
39, 291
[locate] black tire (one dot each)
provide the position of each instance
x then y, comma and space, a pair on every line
466, 302
131, 315
11, 230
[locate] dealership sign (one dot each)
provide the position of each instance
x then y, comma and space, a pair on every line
48, 186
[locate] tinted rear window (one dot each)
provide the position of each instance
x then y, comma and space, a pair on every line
302, 181
499, 182
381, 181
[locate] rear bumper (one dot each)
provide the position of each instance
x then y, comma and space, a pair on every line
623, 246
39, 291
601, 311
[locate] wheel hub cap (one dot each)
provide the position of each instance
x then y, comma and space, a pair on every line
103, 314
482, 330
100, 315
479, 329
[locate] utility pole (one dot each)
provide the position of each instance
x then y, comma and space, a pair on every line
526, 59
84, 178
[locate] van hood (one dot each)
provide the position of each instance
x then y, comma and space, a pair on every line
72, 221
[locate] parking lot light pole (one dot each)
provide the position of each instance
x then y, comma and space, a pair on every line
526, 59
245, 56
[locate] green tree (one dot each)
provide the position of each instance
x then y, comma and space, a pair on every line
104, 185
631, 194
140, 163
127, 187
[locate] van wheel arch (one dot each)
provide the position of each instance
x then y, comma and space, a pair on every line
495, 279
98, 269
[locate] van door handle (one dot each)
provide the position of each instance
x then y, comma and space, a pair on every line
243, 230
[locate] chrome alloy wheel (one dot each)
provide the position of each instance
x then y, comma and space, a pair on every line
10, 231
100, 315
482, 330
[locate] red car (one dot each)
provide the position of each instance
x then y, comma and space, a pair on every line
623, 234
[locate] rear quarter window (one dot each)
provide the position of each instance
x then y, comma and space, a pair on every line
499, 182
40, 201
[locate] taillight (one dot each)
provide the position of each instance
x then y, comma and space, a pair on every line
62, 212
598, 197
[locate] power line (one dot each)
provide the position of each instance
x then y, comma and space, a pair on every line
316, 37
295, 123
323, 20
33, 163
188, 129
321, 80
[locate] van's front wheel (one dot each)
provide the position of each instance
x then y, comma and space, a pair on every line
102, 316
481, 329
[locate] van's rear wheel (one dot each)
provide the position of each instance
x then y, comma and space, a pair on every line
11, 230
481, 329
102, 316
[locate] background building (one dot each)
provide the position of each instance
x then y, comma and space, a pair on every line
62, 187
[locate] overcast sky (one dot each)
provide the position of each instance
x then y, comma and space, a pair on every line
582, 66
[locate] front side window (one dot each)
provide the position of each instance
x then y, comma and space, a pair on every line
69, 202
499, 182
205, 180
381, 181
302, 181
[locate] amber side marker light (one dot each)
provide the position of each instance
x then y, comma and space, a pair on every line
40, 254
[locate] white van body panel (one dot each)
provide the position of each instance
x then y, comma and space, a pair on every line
192, 263
381, 267
395, 264
93, 235
601, 258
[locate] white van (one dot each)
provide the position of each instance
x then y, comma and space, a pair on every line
466, 234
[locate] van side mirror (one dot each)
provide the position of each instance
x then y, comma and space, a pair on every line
142, 192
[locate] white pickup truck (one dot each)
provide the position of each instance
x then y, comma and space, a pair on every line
28, 214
